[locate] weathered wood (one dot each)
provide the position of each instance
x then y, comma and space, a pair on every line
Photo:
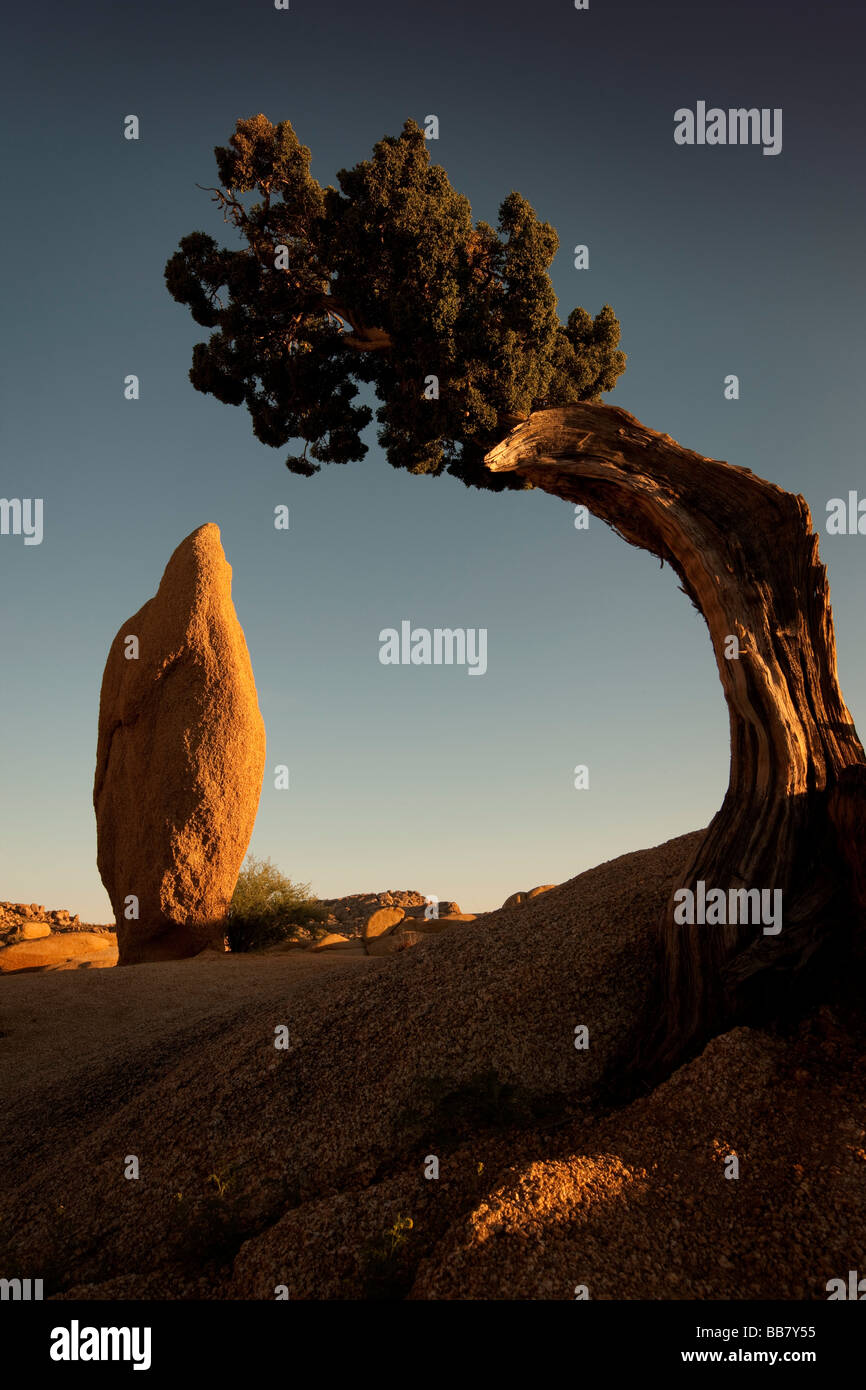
747, 557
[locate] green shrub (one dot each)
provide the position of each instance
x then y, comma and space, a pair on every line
388, 1271
267, 907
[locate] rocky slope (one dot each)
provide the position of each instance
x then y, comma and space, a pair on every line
312, 1166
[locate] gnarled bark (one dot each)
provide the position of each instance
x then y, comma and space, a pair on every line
747, 556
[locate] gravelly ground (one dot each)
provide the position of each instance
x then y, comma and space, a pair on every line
262, 1167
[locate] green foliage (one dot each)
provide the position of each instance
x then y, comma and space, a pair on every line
267, 907
388, 1270
388, 282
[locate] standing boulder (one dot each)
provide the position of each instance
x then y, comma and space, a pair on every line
179, 761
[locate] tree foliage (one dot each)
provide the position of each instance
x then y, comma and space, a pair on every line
267, 906
385, 281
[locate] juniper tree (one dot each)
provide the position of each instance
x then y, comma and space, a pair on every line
388, 281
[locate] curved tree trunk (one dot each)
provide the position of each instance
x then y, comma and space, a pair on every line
747, 557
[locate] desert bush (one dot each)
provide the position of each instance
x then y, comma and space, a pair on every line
388, 1272
267, 907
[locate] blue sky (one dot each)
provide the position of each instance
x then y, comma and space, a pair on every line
715, 260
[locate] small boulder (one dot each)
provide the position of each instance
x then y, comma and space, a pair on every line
514, 901
334, 941
536, 892
33, 931
383, 922
399, 940
382, 945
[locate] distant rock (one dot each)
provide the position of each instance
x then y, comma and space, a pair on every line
440, 924
180, 759
60, 951
517, 899
32, 922
32, 931
334, 941
13, 915
399, 939
353, 912
383, 921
